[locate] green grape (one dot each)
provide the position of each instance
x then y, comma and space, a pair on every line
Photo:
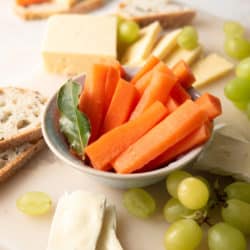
139, 203
174, 179
237, 214
238, 90
34, 203
183, 235
188, 38
237, 47
128, 32
243, 69
241, 105
204, 180
238, 190
193, 193
174, 210
233, 29
222, 236
120, 20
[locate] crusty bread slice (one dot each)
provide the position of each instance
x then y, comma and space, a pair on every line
20, 116
13, 159
171, 16
44, 10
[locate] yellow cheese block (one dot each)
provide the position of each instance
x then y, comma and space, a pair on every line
210, 68
73, 43
189, 56
141, 49
166, 44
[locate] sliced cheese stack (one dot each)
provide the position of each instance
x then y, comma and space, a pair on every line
83, 221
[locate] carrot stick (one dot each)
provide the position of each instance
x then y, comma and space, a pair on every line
151, 62
184, 74
176, 126
158, 90
171, 104
113, 76
93, 97
142, 83
211, 104
179, 94
30, 2
121, 106
114, 142
198, 137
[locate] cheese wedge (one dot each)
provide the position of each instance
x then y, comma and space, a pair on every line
77, 221
189, 56
141, 49
166, 44
108, 239
210, 68
67, 3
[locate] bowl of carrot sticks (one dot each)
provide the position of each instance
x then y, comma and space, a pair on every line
130, 128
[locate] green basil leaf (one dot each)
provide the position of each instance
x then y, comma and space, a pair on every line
73, 123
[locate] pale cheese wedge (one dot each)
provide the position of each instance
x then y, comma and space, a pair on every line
167, 43
189, 56
141, 49
108, 239
77, 222
210, 68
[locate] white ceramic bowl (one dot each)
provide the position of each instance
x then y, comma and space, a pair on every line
59, 147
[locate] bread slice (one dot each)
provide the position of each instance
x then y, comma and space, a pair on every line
13, 159
20, 116
170, 15
44, 10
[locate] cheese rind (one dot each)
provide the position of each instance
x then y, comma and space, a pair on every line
74, 42
189, 56
141, 49
210, 68
166, 44
77, 221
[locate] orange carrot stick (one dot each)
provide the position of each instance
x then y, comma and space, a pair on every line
151, 62
171, 104
158, 90
211, 104
176, 126
114, 142
184, 74
121, 106
142, 83
179, 94
113, 76
30, 2
93, 97
198, 137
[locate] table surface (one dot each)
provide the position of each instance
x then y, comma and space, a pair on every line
20, 65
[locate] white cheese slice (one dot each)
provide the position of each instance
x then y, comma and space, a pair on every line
189, 56
166, 44
77, 222
141, 49
210, 68
108, 239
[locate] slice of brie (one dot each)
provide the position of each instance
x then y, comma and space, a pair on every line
166, 44
210, 68
141, 49
108, 239
77, 222
189, 56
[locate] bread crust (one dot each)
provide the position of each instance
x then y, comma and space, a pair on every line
33, 14
13, 166
167, 20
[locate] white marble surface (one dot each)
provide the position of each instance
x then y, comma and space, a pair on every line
20, 40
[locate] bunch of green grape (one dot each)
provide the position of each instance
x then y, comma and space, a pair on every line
189, 207
238, 47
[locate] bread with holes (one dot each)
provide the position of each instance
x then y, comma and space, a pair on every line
20, 116
168, 14
44, 10
11, 160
